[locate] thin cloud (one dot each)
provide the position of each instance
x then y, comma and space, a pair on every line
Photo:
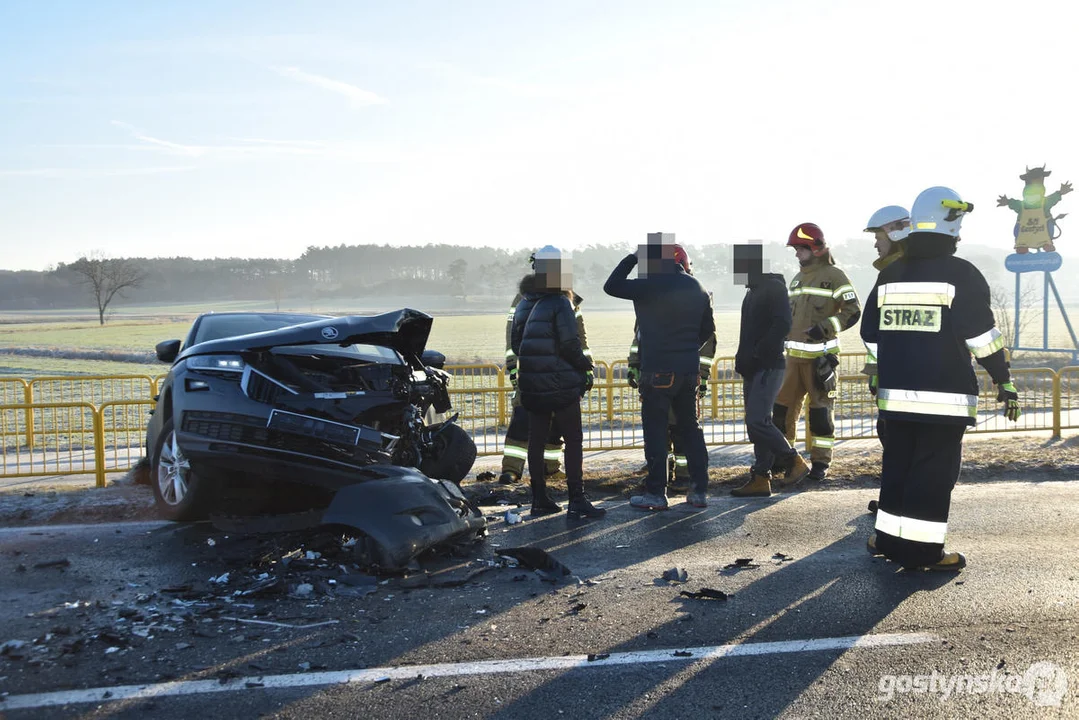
357, 96
77, 173
171, 147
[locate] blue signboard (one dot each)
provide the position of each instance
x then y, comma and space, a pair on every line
1033, 262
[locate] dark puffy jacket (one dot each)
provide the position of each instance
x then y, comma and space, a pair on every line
674, 315
766, 321
551, 365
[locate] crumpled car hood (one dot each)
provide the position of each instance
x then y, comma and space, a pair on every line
403, 330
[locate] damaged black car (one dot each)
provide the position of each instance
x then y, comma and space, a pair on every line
309, 416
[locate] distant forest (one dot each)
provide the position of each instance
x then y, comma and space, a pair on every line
445, 277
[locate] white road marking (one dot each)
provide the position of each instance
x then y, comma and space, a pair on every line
484, 667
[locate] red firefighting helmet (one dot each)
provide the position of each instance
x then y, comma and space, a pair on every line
682, 258
807, 235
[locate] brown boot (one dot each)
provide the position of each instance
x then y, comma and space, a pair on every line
758, 486
797, 469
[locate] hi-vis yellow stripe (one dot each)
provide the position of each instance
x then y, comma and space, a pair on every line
916, 293
986, 344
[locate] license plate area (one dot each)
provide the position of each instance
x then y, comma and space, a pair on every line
313, 427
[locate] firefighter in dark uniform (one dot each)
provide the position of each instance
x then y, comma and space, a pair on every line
925, 318
515, 447
678, 476
823, 304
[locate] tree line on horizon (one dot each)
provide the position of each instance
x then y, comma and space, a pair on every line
474, 278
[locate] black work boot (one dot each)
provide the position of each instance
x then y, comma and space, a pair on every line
818, 472
542, 504
508, 477
580, 506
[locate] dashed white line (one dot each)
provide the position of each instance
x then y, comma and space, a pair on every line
485, 667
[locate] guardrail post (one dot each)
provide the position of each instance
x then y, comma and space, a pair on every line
609, 372
99, 446
1056, 406
501, 397
28, 394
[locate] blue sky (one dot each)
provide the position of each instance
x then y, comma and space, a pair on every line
217, 129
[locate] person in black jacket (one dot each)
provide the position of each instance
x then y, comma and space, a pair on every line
926, 316
553, 373
766, 321
674, 318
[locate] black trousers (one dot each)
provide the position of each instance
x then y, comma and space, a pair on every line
661, 394
568, 420
919, 470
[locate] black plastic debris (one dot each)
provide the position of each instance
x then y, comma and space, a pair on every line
682, 653
705, 593
536, 559
592, 657
782, 557
675, 575
485, 476
59, 563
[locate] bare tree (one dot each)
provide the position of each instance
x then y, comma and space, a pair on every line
106, 278
1004, 311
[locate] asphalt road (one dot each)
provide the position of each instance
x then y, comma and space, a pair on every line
817, 629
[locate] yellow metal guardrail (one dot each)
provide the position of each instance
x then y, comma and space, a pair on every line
96, 424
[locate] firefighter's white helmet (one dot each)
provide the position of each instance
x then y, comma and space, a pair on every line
939, 210
886, 216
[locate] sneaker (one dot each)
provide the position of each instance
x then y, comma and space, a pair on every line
581, 506
509, 477
697, 499
818, 472
648, 501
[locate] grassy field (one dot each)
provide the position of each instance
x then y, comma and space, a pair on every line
465, 339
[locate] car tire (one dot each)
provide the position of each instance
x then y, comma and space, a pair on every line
179, 494
453, 455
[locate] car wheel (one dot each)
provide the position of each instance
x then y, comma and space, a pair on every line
178, 492
452, 457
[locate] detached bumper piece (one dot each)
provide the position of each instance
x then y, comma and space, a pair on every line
401, 513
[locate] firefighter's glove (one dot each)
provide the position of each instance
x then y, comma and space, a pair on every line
815, 333
1008, 395
873, 382
513, 378
633, 377
702, 389
589, 380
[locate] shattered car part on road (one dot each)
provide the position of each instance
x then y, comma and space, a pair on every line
334, 410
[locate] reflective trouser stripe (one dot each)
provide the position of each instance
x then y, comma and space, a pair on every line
925, 531
681, 461
515, 451
823, 442
871, 351
810, 354
549, 454
927, 402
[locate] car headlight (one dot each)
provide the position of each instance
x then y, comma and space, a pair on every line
218, 363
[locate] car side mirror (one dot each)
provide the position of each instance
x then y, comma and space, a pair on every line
167, 350
433, 358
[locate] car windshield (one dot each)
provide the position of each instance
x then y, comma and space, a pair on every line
216, 327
